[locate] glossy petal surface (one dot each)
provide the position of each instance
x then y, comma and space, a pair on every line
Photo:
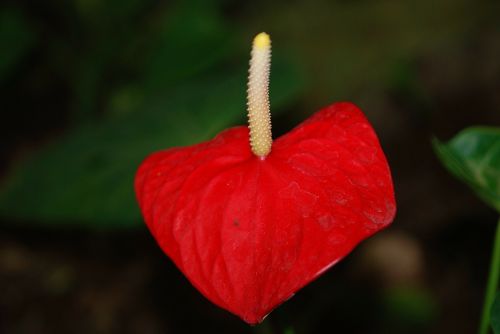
248, 233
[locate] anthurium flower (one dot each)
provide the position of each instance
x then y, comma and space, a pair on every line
250, 221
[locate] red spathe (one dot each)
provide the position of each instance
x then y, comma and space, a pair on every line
249, 232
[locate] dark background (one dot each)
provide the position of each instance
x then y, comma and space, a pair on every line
89, 88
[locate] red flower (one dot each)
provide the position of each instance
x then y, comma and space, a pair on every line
248, 231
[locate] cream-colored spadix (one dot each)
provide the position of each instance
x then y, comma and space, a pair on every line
259, 116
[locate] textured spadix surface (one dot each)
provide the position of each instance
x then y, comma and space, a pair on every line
249, 232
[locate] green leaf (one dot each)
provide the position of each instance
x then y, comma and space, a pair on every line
86, 178
473, 156
495, 314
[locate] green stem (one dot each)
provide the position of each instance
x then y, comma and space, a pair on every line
492, 286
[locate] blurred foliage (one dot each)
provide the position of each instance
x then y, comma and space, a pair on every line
409, 307
495, 314
16, 39
473, 156
353, 45
183, 90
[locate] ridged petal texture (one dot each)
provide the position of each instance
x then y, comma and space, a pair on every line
248, 233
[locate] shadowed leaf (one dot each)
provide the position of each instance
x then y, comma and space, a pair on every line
473, 156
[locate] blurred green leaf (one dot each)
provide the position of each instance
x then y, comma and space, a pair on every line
87, 81
160, 51
192, 36
495, 314
16, 39
473, 156
87, 177
106, 31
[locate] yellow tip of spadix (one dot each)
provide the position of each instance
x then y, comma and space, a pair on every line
262, 40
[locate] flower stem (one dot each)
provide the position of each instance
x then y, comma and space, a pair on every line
492, 285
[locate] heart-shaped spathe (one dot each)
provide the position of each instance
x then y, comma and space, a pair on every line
249, 232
